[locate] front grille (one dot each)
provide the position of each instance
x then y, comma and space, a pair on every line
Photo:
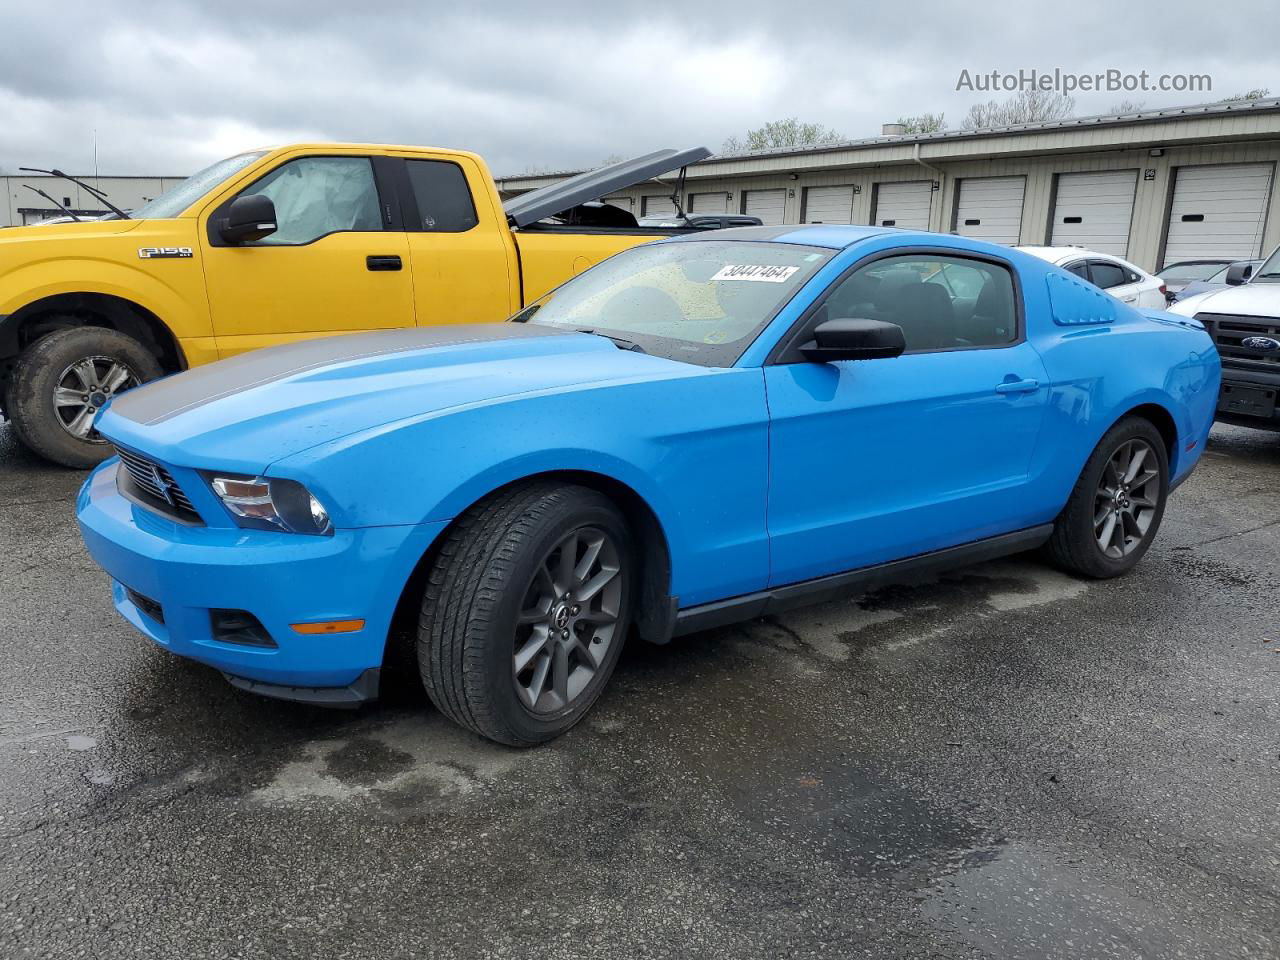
1229, 333
156, 486
144, 603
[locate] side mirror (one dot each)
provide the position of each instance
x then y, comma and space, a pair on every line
1238, 273
854, 339
248, 218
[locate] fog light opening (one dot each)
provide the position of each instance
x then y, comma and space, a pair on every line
239, 627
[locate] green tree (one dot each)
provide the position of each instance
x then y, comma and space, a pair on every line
924, 123
1257, 93
783, 133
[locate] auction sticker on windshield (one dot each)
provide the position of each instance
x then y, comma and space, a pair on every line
755, 271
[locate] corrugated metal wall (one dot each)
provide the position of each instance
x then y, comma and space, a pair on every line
1151, 200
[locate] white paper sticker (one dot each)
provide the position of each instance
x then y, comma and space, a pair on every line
755, 271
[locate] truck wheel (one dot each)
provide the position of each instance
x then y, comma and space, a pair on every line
62, 380
526, 610
1117, 504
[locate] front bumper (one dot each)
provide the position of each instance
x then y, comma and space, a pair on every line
1249, 398
280, 578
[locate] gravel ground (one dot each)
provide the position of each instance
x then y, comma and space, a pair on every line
1003, 762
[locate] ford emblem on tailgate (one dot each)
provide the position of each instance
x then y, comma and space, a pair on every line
1260, 343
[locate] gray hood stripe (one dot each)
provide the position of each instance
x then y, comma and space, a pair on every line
164, 399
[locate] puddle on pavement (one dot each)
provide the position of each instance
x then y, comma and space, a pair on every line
401, 762
1020, 903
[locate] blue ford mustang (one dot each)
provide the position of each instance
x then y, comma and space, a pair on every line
696, 431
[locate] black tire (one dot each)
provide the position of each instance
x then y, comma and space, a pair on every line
37, 420
1075, 543
487, 569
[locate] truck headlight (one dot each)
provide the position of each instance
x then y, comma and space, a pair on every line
271, 503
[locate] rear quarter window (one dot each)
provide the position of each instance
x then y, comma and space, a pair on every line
443, 197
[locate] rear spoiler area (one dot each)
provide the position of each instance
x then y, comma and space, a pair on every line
529, 208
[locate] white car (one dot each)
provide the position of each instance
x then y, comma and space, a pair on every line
1120, 278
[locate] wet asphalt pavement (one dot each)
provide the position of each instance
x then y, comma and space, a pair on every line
1004, 762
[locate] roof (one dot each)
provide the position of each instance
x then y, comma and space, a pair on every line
1268, 105
1057, 254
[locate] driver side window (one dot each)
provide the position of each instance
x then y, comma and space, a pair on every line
316, 196
940, 302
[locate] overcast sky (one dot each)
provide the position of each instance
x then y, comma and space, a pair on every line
172, 86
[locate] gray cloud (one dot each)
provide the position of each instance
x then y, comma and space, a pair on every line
170, 87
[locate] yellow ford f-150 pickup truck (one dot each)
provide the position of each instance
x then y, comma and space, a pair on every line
276, 245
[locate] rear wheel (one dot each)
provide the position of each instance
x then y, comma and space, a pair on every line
1117, 504
61, 381
526, 611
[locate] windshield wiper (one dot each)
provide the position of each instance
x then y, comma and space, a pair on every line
55, 172
617, 341
66, 210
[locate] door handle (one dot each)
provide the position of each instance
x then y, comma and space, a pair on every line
383, 263
1018, 386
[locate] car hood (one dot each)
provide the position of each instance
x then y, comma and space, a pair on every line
254, 409
1247, 300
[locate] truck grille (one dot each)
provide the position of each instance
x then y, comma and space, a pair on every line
1229, 333
156, 486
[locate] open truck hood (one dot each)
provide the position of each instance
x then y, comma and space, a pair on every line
564, 194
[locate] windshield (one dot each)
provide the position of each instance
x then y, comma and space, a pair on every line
699, 302
173, 202
1190, 271
1269, 272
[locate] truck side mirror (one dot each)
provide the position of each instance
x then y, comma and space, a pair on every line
1238, 273
854, 339
248, 219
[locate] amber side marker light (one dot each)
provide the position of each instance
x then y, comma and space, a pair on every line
329, 626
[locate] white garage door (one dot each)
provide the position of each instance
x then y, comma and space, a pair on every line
657, 206
990, 208
768, 205
623, 202
1218, 211
1093, 210
709, 202
903, 205
828, 205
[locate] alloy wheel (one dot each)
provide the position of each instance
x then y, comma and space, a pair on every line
568, 620
84, 388
1127, 498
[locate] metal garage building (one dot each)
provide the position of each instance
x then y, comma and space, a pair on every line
19, 205
1154, 186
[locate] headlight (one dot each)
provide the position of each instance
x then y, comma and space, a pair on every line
271, 503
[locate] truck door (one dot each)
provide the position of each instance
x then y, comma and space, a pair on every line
337, 262
460, 246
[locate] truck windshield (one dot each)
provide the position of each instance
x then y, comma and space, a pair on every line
700, 301
173, 202
1269, 272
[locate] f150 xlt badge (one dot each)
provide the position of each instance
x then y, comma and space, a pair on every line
1266, 344
161, 253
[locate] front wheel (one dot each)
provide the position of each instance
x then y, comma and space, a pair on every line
61, 381
1117, 504
526, 610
